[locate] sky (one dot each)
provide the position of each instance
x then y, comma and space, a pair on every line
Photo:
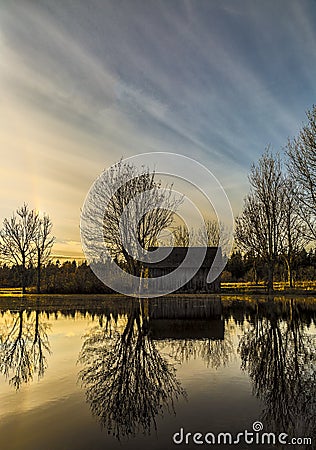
85, 83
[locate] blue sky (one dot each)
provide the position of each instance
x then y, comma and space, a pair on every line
84, 83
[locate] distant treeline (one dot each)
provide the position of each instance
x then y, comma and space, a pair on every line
78, 278
68, 277
247, 268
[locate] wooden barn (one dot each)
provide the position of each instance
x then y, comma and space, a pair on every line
177, 258
186, 318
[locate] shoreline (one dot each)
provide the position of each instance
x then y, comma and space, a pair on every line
225, 293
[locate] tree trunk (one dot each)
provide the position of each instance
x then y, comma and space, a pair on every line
255, 273
270, 276
23, 276
38, 287
289, 274
289, 271
36, 330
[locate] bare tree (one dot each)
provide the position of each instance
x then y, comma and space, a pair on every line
43, 241
259, 228
215, 353
295, 229
26, 239
301, 152
216, 232
138, 209
280, 359
128, 382
213, 230
24, 345
17, 239
181, 236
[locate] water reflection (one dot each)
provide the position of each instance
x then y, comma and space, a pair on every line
279, 356
131, 353
24, 347
129, 372
192, 329
128, 382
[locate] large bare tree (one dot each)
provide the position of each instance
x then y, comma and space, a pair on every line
301, 152
17, 238
26, 239
138, 208
259, 229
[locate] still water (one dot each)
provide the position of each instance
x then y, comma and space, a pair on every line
119, 374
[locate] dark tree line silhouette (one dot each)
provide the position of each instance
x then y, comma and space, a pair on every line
74, 277
64, 278
249, 268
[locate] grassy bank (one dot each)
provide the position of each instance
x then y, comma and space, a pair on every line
302, 288
280, 288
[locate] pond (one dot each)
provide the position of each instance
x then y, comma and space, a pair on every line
94, 373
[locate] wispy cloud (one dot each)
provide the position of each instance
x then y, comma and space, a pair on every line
84, 83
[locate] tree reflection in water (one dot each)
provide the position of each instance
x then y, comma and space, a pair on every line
215, 353
24, 345
280, 358
193, 328
128, 382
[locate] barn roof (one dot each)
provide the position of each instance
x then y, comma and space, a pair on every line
178, 254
